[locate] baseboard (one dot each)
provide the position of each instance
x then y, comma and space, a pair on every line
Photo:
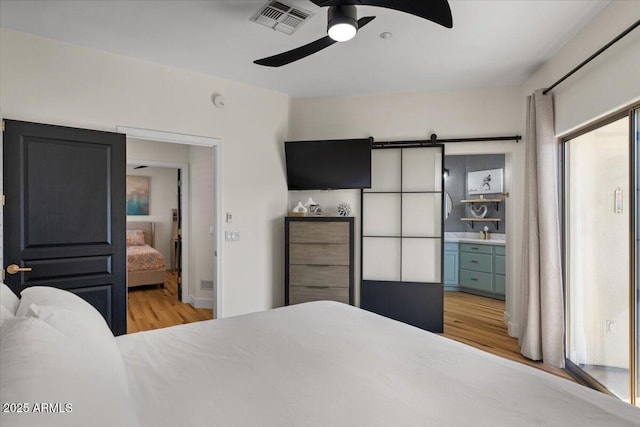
201, 302
513, 329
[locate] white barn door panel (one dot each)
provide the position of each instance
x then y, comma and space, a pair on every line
402, 236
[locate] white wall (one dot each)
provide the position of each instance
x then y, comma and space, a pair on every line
202, 219
606, 84
47, 81
468, 113
163, 195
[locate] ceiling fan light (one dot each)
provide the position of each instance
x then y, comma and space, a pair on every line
342, 32
342, 23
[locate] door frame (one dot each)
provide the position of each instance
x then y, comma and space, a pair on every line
216, 145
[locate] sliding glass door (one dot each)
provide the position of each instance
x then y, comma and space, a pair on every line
600, 225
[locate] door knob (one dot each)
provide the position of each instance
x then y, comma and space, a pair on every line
15, 268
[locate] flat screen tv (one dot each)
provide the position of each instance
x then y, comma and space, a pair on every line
328, 164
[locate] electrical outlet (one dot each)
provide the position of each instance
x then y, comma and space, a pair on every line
231, 236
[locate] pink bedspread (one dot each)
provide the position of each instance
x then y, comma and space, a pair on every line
141, 258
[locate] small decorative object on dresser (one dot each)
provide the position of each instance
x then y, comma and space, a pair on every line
315, 210
309, 203
299, 208
344, 209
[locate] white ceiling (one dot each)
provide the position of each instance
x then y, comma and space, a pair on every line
492, 43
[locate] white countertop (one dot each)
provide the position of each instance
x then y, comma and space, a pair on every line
466, 237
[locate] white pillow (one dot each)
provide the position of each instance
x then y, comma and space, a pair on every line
8, 299
79, 321
5, 314
40, 365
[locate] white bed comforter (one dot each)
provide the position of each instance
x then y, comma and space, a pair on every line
331, 365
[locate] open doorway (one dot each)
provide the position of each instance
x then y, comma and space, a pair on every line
474, 225
154, 261
475, 257
187, 226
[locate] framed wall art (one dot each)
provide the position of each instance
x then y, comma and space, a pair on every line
485, 182
137, 195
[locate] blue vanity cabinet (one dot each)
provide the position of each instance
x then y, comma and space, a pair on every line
450, 276
498, 270
482, 269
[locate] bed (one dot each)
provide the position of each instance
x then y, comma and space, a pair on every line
314, 364
145, 264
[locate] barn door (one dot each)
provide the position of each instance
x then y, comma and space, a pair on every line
402, 236
64, 218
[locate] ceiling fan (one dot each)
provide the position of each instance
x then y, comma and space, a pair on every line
343, 23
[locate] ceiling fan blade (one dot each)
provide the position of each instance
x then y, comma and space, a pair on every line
306, 50
296, 54
437, 11
365, 20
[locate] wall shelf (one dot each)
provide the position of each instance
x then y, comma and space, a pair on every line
495, 201
496, 221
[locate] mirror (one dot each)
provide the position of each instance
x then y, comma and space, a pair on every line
448, 205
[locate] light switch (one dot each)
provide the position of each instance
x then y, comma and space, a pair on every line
229, 218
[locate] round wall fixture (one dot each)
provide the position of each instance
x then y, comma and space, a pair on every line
219, 101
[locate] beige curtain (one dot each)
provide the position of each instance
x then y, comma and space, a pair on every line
542, 321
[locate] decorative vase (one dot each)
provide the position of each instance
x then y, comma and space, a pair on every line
308, 203
300, 208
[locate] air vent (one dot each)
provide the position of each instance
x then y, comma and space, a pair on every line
281, 16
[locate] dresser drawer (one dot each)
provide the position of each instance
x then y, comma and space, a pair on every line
476, 262
476, 280
498, 250
300, 294
476, 248
319, 253
318, 232
336, 276
498, 264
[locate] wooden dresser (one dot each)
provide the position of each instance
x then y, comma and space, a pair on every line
319, 259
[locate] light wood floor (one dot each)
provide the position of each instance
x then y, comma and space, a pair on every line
478, 322
151, 307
